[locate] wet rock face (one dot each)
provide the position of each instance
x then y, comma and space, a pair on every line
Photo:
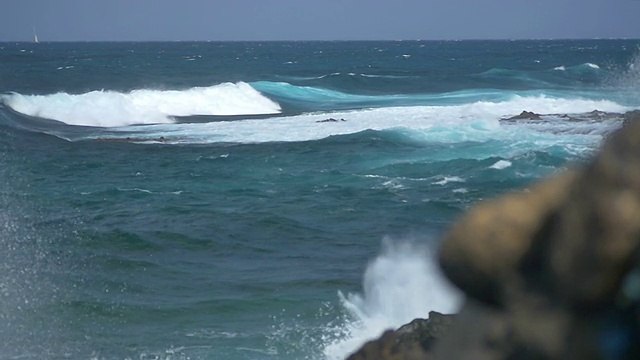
525, 115
413, 341
387, 348
424, 332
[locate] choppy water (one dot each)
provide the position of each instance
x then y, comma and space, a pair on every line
190, 200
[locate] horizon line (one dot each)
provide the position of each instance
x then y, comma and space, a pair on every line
326, 40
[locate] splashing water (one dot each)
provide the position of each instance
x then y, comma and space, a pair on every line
628, 77
401, 284
633, 70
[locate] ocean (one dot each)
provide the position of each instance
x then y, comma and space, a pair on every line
267, 200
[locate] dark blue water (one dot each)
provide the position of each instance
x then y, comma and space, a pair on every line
275, 200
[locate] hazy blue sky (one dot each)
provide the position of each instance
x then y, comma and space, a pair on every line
65, 20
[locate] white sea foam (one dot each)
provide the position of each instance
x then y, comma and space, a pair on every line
477, 121
547, 105
401, 284
448, 179
593, 66
500, 165
110, 108
136, 189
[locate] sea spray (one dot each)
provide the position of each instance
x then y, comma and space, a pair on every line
630, 78
28, 287
624, 80
401, 284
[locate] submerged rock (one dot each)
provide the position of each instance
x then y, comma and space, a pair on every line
330, 120
595, 115
602, 115
131, 140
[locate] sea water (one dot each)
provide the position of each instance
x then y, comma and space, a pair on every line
267, 200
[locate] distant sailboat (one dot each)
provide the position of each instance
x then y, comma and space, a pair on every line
35, 36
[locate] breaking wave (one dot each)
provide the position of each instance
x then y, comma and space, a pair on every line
110, 108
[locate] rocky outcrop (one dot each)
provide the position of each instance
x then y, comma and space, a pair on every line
525, 115
630, 117
413, 341
482, 250
330, 120
551, 272
595, 115
555, 266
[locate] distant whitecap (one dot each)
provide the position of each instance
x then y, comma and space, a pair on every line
500, 165
448, 179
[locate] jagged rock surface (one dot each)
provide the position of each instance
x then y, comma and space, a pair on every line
525, 115
413, 341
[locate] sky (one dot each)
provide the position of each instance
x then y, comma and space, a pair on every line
237, 20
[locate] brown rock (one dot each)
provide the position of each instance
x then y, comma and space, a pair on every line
387, 348
425, 332
555, 263
414, 341
595, 237
575, 235
631, 117
482, 250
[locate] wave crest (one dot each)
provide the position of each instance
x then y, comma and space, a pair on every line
110, 108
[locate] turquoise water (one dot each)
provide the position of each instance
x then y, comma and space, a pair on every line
188, 200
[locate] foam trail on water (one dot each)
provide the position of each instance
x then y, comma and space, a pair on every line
475, 121
110, 108
501, 165
401, 284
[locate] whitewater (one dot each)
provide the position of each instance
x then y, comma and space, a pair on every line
110, 108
